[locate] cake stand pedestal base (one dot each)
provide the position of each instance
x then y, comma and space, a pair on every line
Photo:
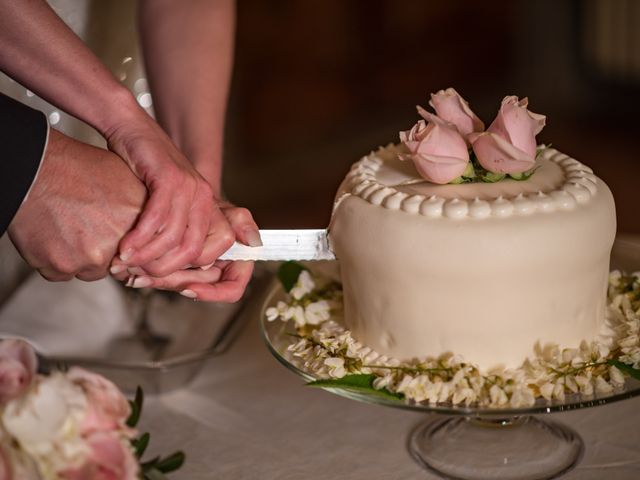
515, 448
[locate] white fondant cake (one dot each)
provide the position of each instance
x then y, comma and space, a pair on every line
484, 270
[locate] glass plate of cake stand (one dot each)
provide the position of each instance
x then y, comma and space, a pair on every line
480, 442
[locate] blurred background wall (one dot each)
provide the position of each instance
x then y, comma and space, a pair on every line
319, 83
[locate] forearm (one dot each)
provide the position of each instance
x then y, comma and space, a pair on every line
188, 48
38, 50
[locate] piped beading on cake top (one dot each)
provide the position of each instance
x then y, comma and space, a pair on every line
576, 185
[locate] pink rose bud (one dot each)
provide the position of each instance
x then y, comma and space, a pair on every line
509, 144
17, 368
107, 408
437, 149
452, 108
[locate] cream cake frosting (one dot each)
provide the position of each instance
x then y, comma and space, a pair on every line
483, 270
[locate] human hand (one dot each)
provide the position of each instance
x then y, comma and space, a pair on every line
82, 202
223, 281
171, 230
215, 281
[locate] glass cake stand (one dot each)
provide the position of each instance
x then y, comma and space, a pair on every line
474, 443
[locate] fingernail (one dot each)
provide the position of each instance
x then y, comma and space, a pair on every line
189, 294
116, 269
130, 281
136, 271
253, 237
142, 282
207, 267
126, 255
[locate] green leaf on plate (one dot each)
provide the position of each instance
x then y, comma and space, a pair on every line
171, 463
624, 368
360, 383
136, 408
288, 274
140, 444
153, 474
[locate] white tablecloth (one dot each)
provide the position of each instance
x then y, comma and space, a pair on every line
247, 416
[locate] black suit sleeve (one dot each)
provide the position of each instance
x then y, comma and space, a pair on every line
23, 138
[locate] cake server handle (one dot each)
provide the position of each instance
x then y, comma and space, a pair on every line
310, 244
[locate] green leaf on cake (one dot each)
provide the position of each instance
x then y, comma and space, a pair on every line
523, 175
624, 368
490, 177
469, 171
359, 383
541, 148
288, 274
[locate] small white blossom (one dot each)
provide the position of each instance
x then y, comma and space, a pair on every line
615, 375
568, 354
571, 383
498, 396
404, 383
546, 390
317, 312
558, 391
384, 381
464, 394
279, 311
602, 386
614, 278
522, 397
445, 392
336, 367
297, 314
303, 286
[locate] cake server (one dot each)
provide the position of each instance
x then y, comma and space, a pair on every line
284, 245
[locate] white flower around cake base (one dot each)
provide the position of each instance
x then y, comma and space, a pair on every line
326, 349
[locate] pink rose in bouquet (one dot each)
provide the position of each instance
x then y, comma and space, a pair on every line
509, 144
108, 459
107, 409
17, 368
437, 149
452, 108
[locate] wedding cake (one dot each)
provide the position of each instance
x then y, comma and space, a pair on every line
472, 241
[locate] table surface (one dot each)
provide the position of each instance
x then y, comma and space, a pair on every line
247, 416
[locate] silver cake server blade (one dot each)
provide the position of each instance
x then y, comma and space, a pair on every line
284, 245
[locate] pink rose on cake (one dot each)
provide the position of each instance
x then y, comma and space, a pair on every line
452, 108
440, 144
436, 148
509, 144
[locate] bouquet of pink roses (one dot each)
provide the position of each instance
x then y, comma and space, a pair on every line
72, 425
